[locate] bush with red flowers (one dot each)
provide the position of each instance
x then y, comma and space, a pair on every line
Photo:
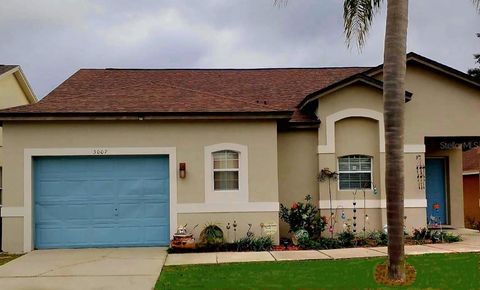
303, 216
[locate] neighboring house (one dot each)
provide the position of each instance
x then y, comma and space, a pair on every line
121, 157
471, 186
14, 91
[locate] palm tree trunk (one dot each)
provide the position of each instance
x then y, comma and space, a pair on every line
394, 108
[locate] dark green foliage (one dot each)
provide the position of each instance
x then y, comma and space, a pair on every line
346, 239
357, 17
475, 72
379, 238
211, 236
423, 235
252, 243
450, 238
303, 216
321, 244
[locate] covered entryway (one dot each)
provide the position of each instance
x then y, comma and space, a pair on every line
436, 188
101, 201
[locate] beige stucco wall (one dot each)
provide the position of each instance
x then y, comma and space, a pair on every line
441, 105
11, 95
297, 168
189, 138
256, 219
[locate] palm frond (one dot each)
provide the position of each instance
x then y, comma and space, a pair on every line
280, 3
477, 4
358, 16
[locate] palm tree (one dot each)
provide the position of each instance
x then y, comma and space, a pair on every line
358, 16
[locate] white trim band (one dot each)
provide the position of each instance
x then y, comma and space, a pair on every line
227, 207
414, 148
370, 203
471, 173
12, 211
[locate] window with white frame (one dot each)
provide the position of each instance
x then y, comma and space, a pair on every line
226, 173
355, 172
226, 170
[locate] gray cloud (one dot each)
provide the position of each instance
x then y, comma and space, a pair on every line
51, 39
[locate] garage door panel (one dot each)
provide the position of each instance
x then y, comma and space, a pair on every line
103, 211
154, 210
101, 201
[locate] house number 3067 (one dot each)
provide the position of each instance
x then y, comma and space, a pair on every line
100, 151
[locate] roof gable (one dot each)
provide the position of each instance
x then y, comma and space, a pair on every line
6, 70
432, 64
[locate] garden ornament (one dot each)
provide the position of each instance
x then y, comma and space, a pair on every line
327, 174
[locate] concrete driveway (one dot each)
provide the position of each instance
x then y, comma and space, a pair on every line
119, 268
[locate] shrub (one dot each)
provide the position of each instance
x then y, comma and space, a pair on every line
346, 239
421, 234
252, 243
320, 244
436, 236
303, 216
211, 236
450, 238
380, 238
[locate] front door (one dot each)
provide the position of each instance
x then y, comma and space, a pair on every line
436, 191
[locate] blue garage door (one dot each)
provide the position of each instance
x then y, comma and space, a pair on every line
107, 201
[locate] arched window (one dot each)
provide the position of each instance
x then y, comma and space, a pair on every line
355, 172
226, 173
226, 170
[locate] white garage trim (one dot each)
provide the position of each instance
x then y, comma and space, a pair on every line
29, 153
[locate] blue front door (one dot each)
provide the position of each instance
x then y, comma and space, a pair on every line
436, 190
107, 201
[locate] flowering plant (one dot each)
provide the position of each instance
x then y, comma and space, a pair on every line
303, 216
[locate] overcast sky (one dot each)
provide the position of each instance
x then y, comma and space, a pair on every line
51, 39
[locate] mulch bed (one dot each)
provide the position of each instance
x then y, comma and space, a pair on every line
288, 248
381, 276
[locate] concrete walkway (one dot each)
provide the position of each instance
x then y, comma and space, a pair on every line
120, 268
470, 243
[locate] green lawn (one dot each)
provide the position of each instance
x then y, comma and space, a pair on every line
436, 271
5, 258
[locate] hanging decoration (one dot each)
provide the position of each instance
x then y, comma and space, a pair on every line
235, 230
355, 211
327, 175
420, 172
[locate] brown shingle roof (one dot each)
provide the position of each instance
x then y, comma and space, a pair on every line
471, 160
4, 68
186, 91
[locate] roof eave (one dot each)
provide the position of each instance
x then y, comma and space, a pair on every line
86, 116
361, 77
412, 56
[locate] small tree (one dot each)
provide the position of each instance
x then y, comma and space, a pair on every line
475, 72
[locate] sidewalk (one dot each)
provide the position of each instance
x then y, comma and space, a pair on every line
470, 243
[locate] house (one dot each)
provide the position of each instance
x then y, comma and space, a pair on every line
14, 91
471, 186
121, 157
